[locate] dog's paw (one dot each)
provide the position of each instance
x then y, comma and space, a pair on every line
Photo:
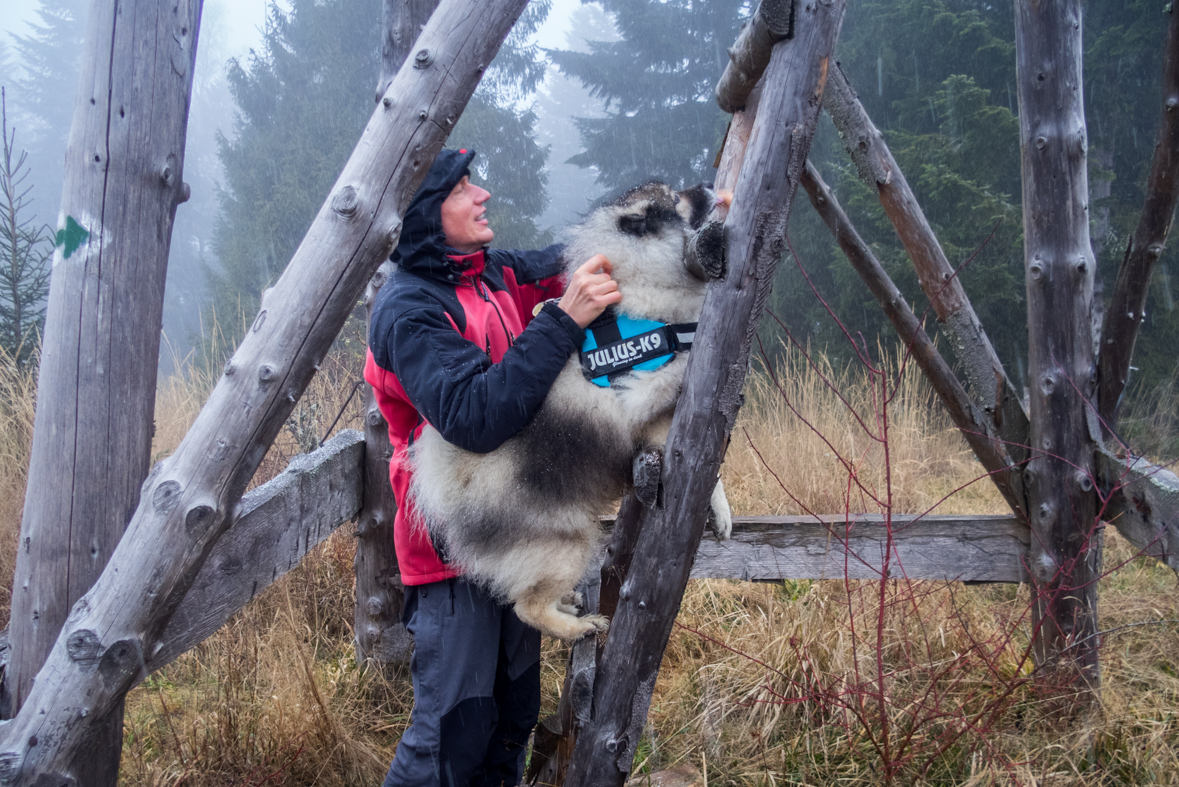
705, 253
648, 467
570, 603
598, 624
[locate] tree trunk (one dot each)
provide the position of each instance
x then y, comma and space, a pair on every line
649, 599
380, 596
188, 500
92, 439
1065, 559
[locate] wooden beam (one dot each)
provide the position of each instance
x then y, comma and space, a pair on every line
960, 548
976, 427
1065, 558
938, 278
772, 21
1142, 502
711, 396
1127, 308
380, 635
188, 500
277, 524
91, 444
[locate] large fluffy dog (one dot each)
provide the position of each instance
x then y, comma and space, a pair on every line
524, 518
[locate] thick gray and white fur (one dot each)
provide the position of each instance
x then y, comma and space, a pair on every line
523, 519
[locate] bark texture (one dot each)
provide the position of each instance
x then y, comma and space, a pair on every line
380, 596
1065, 560
189, 499
650, 597
1127, 308
96, 393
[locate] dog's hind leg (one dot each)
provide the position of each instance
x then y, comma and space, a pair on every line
541, 607
720, 516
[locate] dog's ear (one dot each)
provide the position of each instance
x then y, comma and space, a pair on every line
633, 225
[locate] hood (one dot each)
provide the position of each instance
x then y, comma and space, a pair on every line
422, 246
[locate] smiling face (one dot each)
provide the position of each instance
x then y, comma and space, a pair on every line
463, 218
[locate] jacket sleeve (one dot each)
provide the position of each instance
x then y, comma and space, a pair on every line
473, 403
531, 267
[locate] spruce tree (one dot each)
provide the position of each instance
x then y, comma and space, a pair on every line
302, 101
25, 250
657, 83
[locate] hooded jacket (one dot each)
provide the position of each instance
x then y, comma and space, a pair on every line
453, 343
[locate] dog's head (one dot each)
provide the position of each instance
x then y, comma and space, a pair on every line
643, 233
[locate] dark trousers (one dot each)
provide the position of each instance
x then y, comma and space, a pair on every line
476, 686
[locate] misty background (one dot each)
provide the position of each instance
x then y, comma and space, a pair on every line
586, 99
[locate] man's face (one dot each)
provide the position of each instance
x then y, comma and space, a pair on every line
463, 221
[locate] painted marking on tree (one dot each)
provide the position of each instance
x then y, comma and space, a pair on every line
73, 236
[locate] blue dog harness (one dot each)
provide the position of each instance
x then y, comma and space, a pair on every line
615, 344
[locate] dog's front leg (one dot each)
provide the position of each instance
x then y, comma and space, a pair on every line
648, 467
720, 516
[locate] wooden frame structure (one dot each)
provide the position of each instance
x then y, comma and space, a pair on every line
179, 570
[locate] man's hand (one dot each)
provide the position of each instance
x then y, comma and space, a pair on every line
590, 291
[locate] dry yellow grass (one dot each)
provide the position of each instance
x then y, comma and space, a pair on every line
762, 684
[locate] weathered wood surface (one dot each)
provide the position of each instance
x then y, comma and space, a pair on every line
189, 499
938, 278
402, 23
277, 524
92, 438
1127, 307
963, 548
772, 21
976, 427
1066, 544
1142, 503
790, 102
380, 596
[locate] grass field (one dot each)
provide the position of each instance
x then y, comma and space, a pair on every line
796, 682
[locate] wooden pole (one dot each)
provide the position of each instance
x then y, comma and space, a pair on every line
380, 596
650, 597
96, 393
1127, 307
187, 501
1065, 560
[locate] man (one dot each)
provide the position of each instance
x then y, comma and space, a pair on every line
468, 339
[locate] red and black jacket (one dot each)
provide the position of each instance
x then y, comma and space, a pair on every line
454, 343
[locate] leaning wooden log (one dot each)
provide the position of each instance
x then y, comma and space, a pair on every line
189, 500
1066, 543
1142, 501
92, 439
402, 21
939, 280
710, 399
772, 21
976, 426
1127, 307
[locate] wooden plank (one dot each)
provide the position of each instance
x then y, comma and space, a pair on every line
1127, 307
967, 549
92, 439
279, 523
670, 534
1065, 560
1142, 503
188, 500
